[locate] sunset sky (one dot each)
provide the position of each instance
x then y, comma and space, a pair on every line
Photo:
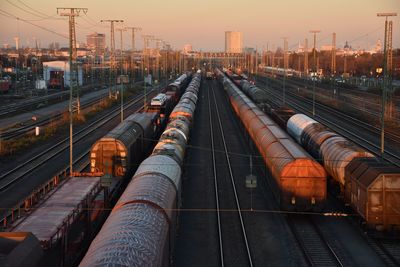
202, 23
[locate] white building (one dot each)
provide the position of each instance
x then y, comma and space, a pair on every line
60, 66
233, 42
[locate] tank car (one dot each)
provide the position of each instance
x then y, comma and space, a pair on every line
369, 185
187, 104
333, 150
180, 84
296, 124
312, 136
252, 91
337, 152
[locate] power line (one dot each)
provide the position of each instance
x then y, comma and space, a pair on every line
9, 15
29, 12
39, 12
366, 34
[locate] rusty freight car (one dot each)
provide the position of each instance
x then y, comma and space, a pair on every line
298, 180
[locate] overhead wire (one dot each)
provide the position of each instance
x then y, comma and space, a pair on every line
36, 15
35, 10
9, 15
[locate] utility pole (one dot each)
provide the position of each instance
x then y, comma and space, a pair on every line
146, 51
73, 74
333, 64
112, 53
389, 68
388, 39
333, 60
306, 57
285, 66
315, 69
134, 29
146, 42
121, 78
158, 43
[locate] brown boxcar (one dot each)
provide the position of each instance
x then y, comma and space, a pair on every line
374, 192
282, 115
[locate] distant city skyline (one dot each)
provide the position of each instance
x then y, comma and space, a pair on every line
203, 25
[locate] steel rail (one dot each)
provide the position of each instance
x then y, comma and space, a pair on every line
221, 253
62, 145
232, 181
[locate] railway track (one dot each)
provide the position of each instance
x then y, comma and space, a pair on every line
18, 132
6, 110
14, 175
315, 247
372, 107
32, 102
387, 249
233, 241
363, 124
303, 105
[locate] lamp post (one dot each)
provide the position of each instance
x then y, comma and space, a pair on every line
285, 63
144, 79
315, 70
385, 79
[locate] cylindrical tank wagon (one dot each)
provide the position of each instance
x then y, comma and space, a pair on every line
369, 185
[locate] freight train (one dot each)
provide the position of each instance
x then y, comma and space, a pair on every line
368, 184
140, 230
4, 86
56, 80
119, 151
281, 71
299, 182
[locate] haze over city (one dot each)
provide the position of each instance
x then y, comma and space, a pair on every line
202, 24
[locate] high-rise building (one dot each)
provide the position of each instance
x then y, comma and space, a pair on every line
96, 42
233, 42
54, 46
187, 48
